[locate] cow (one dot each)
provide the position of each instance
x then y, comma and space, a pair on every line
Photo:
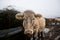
32, 23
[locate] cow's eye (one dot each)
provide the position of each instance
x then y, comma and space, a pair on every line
34, 27
33, 19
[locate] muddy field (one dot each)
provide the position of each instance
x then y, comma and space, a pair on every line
52, 34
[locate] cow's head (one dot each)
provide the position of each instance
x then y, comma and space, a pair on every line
28, 19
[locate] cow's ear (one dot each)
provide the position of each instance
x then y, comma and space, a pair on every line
19, 16
38, 15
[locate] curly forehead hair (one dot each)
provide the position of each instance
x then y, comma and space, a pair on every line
29, 12
38, 15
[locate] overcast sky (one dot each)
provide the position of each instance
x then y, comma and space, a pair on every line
48, 8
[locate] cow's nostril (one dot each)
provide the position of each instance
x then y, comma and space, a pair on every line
31, 31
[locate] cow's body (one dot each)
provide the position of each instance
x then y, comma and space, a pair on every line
33, 24
38, 25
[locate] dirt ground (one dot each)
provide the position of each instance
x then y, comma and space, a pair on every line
53, 34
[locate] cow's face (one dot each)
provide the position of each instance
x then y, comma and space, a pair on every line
28, 17
28, 22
